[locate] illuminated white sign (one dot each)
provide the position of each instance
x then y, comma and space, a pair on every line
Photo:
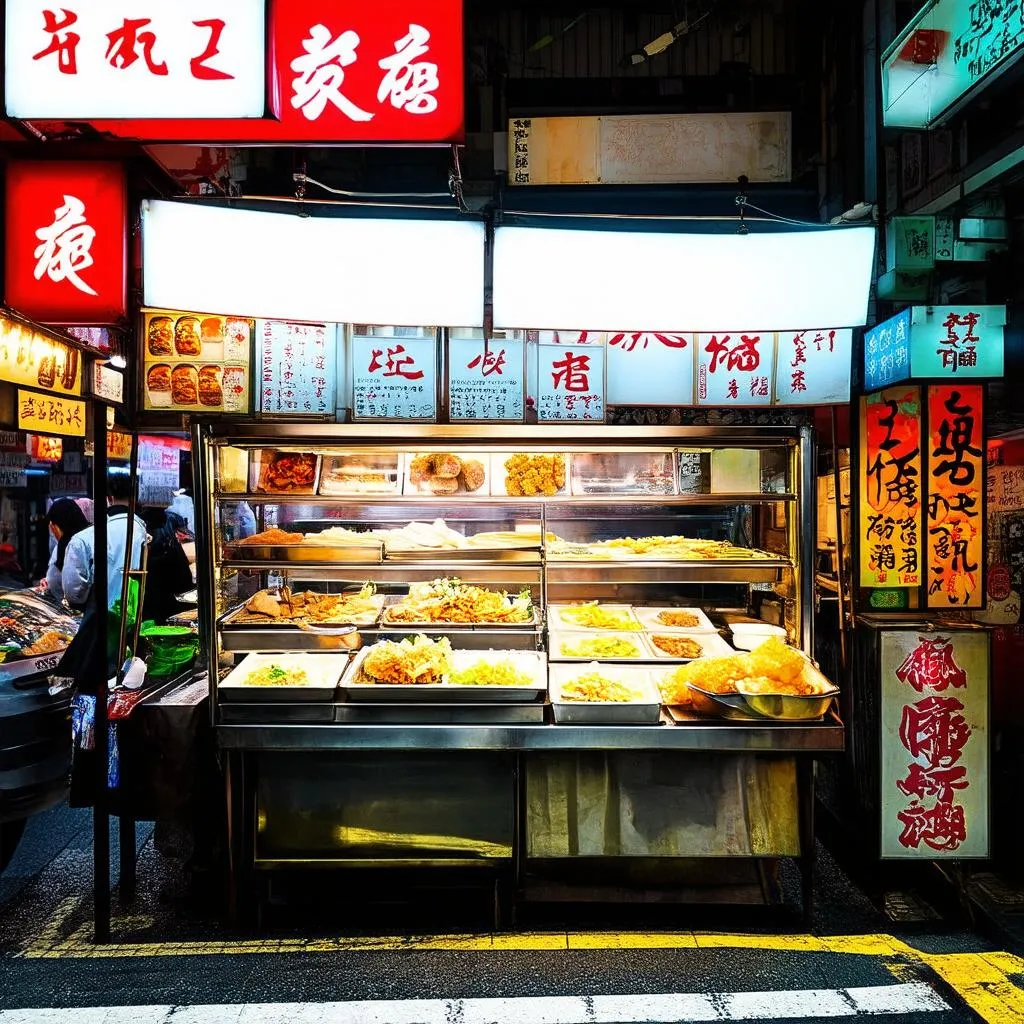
144, 58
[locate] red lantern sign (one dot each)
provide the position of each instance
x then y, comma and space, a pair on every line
341, 72
66, 241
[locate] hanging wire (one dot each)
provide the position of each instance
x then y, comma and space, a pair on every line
302, 178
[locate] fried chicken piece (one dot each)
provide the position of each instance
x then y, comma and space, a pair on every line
472, 475
446, 465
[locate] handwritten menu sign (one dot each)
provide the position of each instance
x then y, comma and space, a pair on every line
297, 368
486, 380
891, 510
50, 414
1005, 488
935, 797
735, 369
650, 369
196, 362
813, 367
956, 482
570, 383
394, 378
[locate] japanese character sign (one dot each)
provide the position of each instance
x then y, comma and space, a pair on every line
934, 745
735, 368
112, 58
66, 236
50, 414
891, 505
954, 343
394, 377
650, 369
486, 379
887, 352
571, 382
814, 367
956, 486
297, 368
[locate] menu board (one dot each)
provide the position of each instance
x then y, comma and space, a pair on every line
813, 367
891, 488
956, 483
196, 362
297, 368
571, 383
735, 369
50, 414
394, 378
486, 380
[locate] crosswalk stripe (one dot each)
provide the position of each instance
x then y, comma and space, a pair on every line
671, 1008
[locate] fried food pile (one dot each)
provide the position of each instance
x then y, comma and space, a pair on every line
773, 667
678, 620
527, 476
592, 686
310, 607
287, 472
446, 473
408, 662
677, 646
686, 548
450, 600
601, 647
273, 537
593, 616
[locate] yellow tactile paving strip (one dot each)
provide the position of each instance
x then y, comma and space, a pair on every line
989, 983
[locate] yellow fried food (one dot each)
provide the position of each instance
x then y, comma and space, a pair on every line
450, 600
601, 647
674, 690
677, 646
492, 673
595, 687
276, 675
593, 616
527, 476
776, 660
409, 662
678, 620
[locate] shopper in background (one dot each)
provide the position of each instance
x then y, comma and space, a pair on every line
66, 521
85, 504
168, 573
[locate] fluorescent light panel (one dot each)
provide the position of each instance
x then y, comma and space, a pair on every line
556, 279
285, 267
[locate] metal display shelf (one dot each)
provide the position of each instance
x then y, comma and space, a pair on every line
442, 501
724, 737
617, 570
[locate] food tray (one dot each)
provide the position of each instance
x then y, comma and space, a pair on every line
356, 553
712, 645
238, 619
556, 638
356, 688
467, 554
267, 456
649, 620
324, 672
645, 712
339, 475
557, 622
499, 485
433, 627
423, 487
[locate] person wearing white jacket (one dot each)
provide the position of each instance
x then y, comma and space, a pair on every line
79, 559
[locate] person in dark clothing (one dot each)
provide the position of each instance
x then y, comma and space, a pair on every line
168, 572
66, 520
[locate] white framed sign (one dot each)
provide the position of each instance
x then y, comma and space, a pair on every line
394, 378
486, 380
571, 383
135, 59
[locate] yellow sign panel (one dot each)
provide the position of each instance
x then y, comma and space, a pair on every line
935, 742
37, 361
50, 414
891, 488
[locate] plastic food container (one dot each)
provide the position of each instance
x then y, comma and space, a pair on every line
748, 635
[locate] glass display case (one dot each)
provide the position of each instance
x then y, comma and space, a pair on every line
510, 593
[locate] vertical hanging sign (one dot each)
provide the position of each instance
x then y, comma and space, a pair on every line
891, 509
956, 485
297, 368
934, 745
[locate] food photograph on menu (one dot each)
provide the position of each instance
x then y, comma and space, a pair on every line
196, 362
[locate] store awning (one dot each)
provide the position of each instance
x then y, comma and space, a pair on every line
631, 280
411, 271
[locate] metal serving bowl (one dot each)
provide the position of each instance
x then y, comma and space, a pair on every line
789, 707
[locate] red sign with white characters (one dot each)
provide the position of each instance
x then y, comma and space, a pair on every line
66, 241
343, 72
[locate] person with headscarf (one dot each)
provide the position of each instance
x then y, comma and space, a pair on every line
66, 519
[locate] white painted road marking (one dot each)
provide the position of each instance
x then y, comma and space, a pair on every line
679, 1008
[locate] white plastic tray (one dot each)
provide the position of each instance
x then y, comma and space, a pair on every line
324, 672
712, 645
557, 621
649, 620
557, 638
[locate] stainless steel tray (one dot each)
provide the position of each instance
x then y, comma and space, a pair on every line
645, 712
440, 714
231, 620
356, 689
529, 555
434, 627
362, 554
325, 672
321, 713
288, 638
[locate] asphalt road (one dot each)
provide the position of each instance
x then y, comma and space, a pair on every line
173, 960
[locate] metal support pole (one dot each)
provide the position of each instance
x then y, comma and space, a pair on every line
100, 818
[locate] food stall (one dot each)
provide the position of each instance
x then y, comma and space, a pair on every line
551, 665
